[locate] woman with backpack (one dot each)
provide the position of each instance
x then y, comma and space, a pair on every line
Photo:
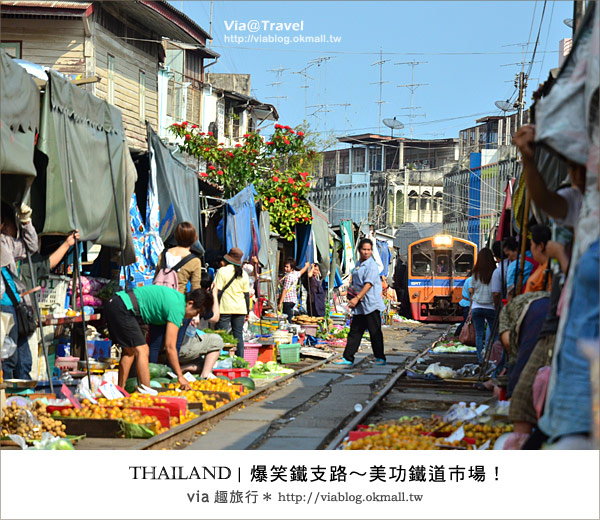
180, 260
176, 267
233, 286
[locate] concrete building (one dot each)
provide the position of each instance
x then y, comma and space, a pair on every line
473, 196
219, 103
385, 181
489, 133
474, 193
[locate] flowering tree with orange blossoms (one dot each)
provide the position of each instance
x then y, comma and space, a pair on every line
279, 168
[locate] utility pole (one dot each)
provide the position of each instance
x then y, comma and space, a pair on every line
521, 84
380, 101
412, 86
210, 22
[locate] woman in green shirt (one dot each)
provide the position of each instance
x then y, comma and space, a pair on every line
151, 305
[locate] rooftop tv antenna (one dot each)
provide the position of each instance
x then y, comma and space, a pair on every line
393, 124
305, 86
277, 98
322, 60
380, 101
412, 86
277, 83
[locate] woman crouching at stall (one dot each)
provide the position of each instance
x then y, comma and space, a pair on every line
155, 305
367, 304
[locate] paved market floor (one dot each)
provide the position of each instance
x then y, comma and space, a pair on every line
304, 414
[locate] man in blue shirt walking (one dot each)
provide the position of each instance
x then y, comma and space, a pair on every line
367, 304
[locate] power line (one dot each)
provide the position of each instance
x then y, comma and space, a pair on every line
367, 53
537, 39
547, 38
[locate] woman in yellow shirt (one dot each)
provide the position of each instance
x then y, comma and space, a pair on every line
233, 285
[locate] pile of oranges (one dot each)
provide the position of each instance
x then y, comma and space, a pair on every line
209, 401
96, 411
408, 435
183, 418
215, 385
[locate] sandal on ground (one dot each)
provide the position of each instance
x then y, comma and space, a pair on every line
343, 361
484, 386
380, 361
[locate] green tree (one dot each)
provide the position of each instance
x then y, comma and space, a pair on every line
279, 168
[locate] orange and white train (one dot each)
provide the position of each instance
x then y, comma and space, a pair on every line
437, 269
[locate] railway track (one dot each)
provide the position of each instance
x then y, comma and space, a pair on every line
316, 407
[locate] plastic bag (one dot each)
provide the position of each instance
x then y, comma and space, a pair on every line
224, 363
468, 370
248, 334
47, 442
440, 371
8, 348
84, 385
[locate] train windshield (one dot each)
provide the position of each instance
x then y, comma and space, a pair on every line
463, 264
421, 264
442, 264
464, 258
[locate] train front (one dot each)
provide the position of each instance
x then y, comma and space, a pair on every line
438, 268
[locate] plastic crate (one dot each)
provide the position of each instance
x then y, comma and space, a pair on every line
67, 363
231, 373
99, 348
289, 353
54, 291
311, 330
266, 353
251, 351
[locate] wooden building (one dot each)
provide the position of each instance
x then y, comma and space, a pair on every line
118, 45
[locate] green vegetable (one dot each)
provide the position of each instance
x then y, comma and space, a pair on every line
239, 362
227, 338
136, 431
271, 366
342, 333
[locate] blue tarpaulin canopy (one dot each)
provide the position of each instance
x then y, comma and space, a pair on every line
385, 255
241, 211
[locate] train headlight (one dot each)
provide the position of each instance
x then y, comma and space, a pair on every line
442, 241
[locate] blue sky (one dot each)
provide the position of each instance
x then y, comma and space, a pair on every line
465, 45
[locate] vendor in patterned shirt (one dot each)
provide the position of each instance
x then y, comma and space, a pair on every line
289, 294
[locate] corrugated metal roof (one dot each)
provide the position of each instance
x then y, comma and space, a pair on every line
48, 4
157, 15
409, 232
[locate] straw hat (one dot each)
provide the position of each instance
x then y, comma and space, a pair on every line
234, 256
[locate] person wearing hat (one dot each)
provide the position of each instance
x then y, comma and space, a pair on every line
233, 287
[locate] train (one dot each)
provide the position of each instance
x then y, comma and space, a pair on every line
438, 267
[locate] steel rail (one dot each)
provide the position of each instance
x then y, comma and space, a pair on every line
366, 411
187, 431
